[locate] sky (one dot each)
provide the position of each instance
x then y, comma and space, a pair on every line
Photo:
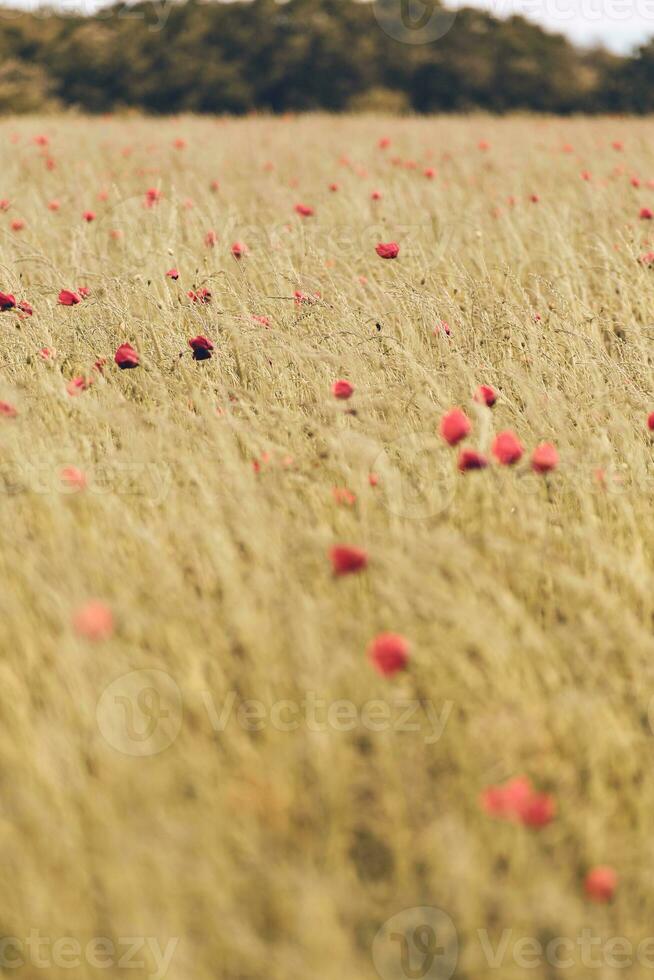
620, 25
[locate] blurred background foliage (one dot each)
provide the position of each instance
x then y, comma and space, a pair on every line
302, 55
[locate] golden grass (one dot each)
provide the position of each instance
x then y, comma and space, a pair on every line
528, 602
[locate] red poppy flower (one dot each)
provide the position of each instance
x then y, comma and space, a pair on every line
377, 196
214, 186
344, 496
485, 395
201, 347
388, 653
346, 559
304, 210
89, 216
646, 214
84, 292
68, 298
442, 327
41, 140
647, 258
210, 238
126, 357
73, 478
470, 459
333, 187
263, 320
650, 421
544, 458
384, 143
17, 224
78, 384
300, 297
173, 274
430, 173
600, 883
342, 389
455, 426
507, 448
534, 198
94, 620
201, 296
239, 249
373, 479
387, 250
517, 801
7, 302
53, 205
179, 143
4, 204
8, 410
25, 308
152, 196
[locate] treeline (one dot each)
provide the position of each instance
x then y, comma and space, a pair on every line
301, 55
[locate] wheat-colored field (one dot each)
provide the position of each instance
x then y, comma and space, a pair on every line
196, 749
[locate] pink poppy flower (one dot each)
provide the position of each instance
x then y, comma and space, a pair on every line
600, 883
455, 426
239, 249
263, 320
646, 214
342, 389
387, 250
94, 620
507, 448
544, 458
68, 298
173, 274
388, 653
77, 385
73, 478
304, 210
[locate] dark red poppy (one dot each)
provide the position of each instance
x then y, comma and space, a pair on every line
345, 559
470, 459
126, 357
485, 395
201, 347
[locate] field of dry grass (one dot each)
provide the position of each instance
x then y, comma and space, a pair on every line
206, 760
